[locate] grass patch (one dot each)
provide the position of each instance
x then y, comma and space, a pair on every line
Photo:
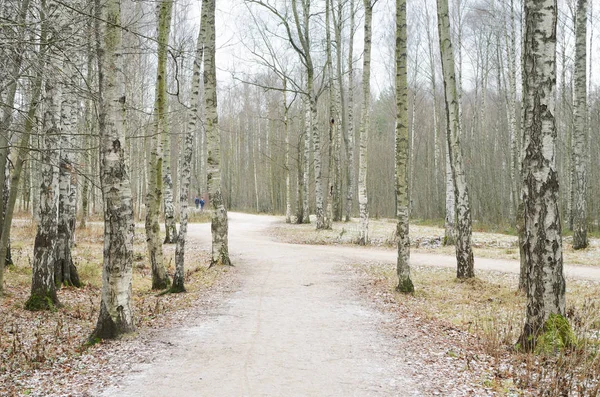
197, 216
567, 361
31, 341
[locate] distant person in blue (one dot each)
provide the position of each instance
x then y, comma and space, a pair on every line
197, 201
201, 204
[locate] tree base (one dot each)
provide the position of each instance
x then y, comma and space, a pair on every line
222, 261
42, 302
176, 288
556, 335
107, 328
406, 286
158, 284
170, 240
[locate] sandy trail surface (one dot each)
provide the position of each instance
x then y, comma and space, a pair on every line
294, 327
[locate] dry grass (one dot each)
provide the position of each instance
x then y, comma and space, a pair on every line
31, 341
425, 238
490, 308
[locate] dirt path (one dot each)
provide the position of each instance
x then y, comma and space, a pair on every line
293, 329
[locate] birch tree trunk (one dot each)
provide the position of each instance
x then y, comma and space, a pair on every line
331, 183
342, 125
23, 152
65, 271
186, 168
363, 230
543, 244
160, 278
43, 289
350, 109
89, 126
286, 133
304, 51
164, 26
8, 100
580, 145
220, 248
450, 214
115, 316
433, 80
306, 166
300, 182
464, 252
405, 283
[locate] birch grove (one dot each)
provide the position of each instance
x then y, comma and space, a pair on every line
125, 111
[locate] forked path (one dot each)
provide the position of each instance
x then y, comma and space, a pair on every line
294, 327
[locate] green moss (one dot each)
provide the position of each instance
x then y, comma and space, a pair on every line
405, 286
557, 336
38, 302
92, 340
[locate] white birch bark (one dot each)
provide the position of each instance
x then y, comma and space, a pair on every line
65, 271
332, 121
164, 28
116, 315
464, 252
449, 213
350, 109
43, 289
306, 165
304, 51
23, 152
580, 148
220, 247
341, 125
543, 243
154, 196
15, 63
363, 229
192, 131
286, 133
405, 283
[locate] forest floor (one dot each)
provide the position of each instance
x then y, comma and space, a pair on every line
293, 319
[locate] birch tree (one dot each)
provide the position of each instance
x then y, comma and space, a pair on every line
286, 132
43, 289
580, 145
363, 230
10, 85
160, 278
464, 251
186, 168
65, 271
351, 174
220, 246
115, 316
543, 242
405, 283
331, 177
164, 29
